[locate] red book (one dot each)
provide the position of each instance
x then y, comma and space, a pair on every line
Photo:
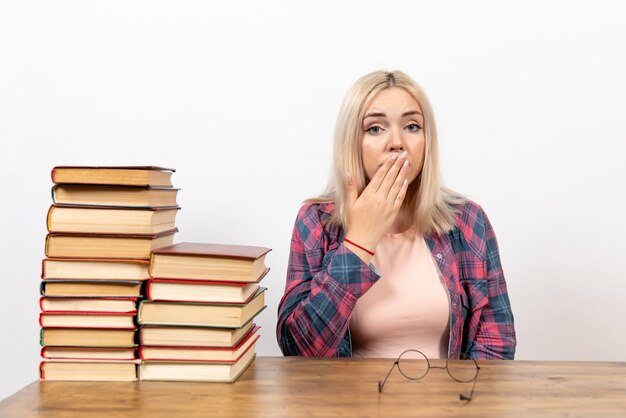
89, 353
178, 290
200, 354
121, 305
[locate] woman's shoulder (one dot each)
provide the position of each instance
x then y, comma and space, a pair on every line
312, 223
469, 213
315, 212
471, 220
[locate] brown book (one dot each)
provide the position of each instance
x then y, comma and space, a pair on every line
91, 288
89, 353
199, 291
212, 262
201, 354
94, 269
121, 305
85, 245
76, 337
192, 336
92, 320
196, 371
89, 370
127, 196
201, 314
115, 175
111, 220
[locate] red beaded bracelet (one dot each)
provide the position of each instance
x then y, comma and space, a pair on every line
358, 246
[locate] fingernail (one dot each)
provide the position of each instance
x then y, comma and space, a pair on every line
394, 156
406, 163
403, 156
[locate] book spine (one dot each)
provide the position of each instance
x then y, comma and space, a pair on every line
95, 313
148, 286
41, 337
43, 268
151, 264
47, 246
53, 174
42, 374
139, 309
49, 218
52, 192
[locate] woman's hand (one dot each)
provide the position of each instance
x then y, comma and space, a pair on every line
370, 215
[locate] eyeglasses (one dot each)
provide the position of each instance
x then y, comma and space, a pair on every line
414, 365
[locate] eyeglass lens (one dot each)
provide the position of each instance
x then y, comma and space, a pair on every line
413, 364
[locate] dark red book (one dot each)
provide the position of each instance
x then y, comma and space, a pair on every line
200, 354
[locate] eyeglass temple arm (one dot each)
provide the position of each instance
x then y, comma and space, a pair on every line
471, 394
381, 385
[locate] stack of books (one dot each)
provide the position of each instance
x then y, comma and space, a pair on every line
197, 323
103, 225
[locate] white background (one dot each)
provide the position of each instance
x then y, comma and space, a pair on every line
241, 98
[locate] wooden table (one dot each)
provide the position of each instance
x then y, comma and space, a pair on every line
292, 387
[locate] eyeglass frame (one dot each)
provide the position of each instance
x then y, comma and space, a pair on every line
462, 397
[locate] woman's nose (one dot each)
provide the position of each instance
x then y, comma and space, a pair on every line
395, 141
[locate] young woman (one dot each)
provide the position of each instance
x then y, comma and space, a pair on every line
388, 259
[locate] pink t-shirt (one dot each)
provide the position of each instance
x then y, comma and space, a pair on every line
409, 305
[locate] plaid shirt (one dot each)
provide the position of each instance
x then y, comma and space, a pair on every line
325, 279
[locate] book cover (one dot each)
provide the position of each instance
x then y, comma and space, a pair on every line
89, 353
99, 245
94, 269
227, 315
87, 320
77, 304
84, 337
90, 288
110, 219
213, 262
180, 290
172, 336
102, 195
113, 175
200, 354
214, 250
89, 370
226, 372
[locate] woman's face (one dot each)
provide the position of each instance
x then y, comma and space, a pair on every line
393, 124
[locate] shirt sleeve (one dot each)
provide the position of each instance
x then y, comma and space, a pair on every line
324, 281
495, 335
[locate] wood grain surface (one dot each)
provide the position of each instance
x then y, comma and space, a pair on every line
305, 387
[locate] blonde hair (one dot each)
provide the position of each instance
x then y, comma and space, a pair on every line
428, 203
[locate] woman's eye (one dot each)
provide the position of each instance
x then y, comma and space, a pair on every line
413, 127
374, 130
